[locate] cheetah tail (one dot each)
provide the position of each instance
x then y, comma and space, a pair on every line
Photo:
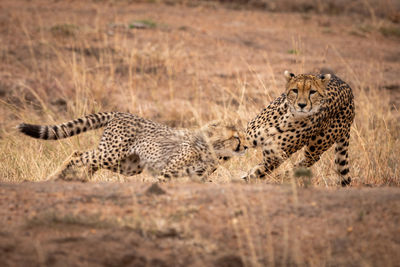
67, 129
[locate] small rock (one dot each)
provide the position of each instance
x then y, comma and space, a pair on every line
155, 189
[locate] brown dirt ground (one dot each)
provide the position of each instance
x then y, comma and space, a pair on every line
129, 224
124, 224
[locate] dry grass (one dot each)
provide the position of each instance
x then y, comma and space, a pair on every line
61, 66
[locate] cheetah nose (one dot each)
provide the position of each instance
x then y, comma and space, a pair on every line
302, 105
245, 147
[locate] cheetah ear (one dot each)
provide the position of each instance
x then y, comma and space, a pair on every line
325, 78
210, 127
288, 75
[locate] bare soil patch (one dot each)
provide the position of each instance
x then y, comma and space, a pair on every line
124, 224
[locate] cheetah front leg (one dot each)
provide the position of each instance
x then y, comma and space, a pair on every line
189, 163
273, 156
313, 151
261, 170
197, 171
128, 166
315, 148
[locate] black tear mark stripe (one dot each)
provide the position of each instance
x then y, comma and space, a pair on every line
67, 129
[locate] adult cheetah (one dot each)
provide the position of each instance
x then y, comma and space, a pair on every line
315, 111
130, 143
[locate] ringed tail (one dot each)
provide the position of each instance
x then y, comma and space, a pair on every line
67, 129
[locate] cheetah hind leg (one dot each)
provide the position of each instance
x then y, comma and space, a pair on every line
64, 169
342, 161
66, 172
196, 171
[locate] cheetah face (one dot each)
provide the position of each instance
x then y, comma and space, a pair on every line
305, 93
226, 139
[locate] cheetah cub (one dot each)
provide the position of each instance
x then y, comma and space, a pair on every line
130, 143
316, 111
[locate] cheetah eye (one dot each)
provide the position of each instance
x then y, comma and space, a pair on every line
312, 92
295, 91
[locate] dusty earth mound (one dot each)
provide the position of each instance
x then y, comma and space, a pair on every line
138, 224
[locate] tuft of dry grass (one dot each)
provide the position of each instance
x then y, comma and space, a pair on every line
180, 78
390, 31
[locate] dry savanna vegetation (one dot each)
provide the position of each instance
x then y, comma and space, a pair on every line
184, 63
